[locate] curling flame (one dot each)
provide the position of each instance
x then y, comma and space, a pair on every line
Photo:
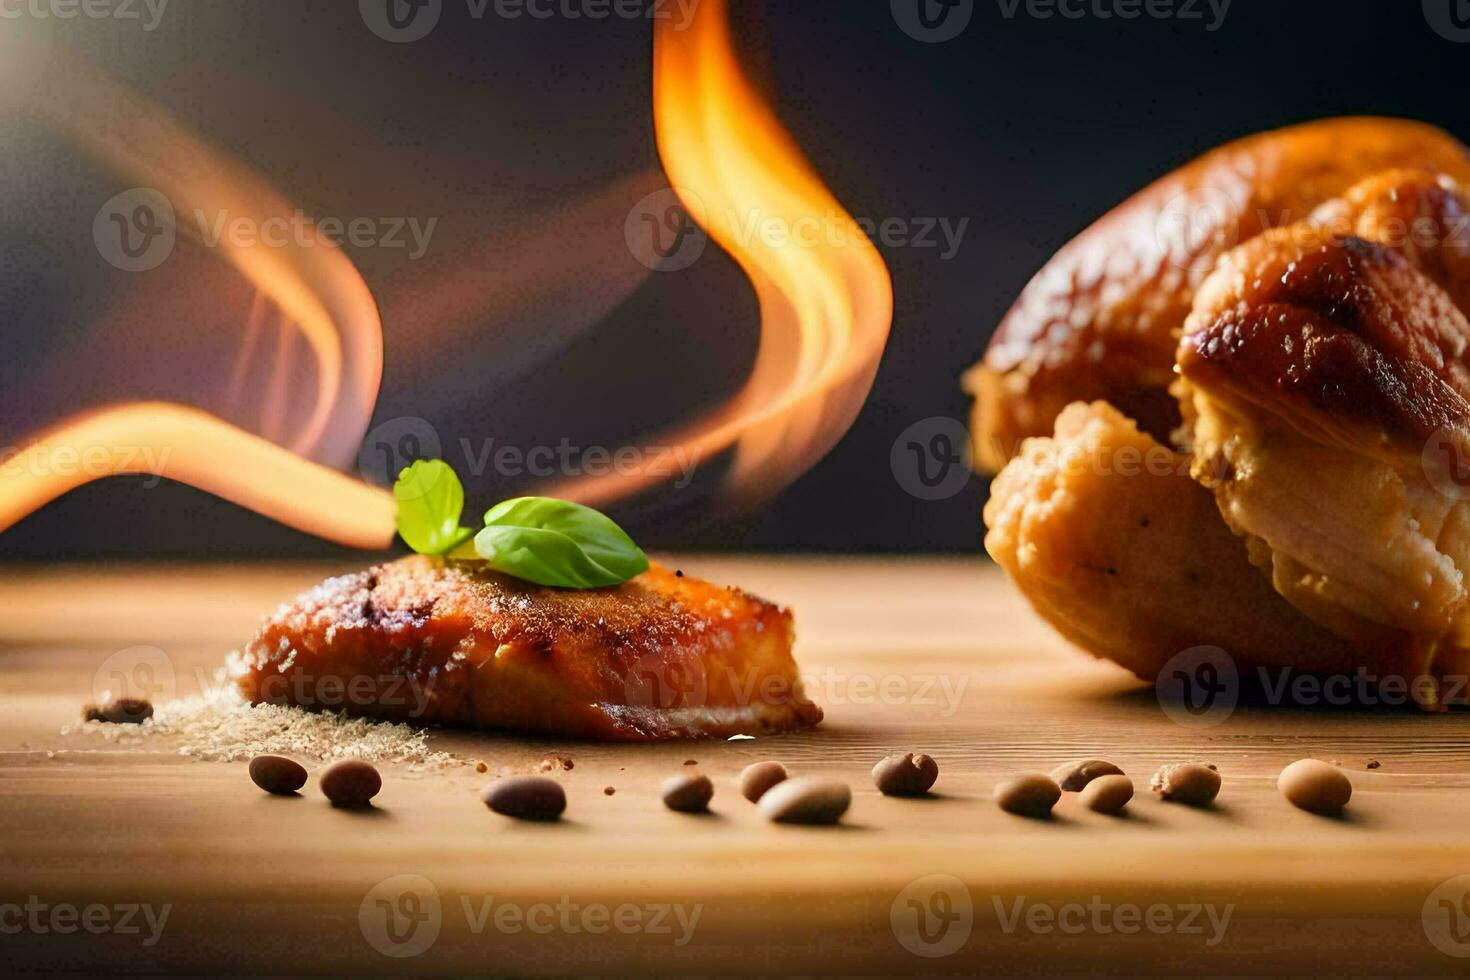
314, 287
826, 300
194, 447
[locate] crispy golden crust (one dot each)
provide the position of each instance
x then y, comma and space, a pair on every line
437, 642
1101, 320
1344, 341
1104, 532
1317, 370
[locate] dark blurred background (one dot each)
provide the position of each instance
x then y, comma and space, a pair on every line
1021, 130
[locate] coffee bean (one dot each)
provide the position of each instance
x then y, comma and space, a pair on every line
526, 797
120, 711
1107, 794
350, 783
1188, 783
1072, 776
808, 800
277, 774
1315, 786
758, 777
905, 775
1032, 795
688, 792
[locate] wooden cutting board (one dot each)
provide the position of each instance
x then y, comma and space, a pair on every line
905, 654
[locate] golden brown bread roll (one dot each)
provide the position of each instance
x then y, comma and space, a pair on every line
1316, 371
1102, 319
1323, 392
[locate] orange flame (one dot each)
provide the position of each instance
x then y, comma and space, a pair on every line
826, 302
194, 447
312, 285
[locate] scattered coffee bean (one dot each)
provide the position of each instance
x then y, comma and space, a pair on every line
688, 792
905, 775
1072, 776
758, 777
526, 797
1032, 795
1107, 794
350, 783
1315, 786
807, 800
119, 711
609, 790
1374, 763
481, 767
277, 774
1188, 783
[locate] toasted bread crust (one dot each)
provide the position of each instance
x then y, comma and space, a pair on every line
1102, 319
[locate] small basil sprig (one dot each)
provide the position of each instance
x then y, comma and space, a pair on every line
430, 500
539, 539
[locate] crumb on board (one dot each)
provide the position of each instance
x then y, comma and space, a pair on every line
609, 790
221, 726
1374, 763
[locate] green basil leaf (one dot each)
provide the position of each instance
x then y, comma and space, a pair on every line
558, 543
430, 501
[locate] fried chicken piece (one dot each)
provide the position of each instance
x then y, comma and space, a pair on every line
1105, 533
1326, 387
1102, 319
448, 643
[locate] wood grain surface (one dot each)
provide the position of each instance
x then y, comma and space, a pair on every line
905, 654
